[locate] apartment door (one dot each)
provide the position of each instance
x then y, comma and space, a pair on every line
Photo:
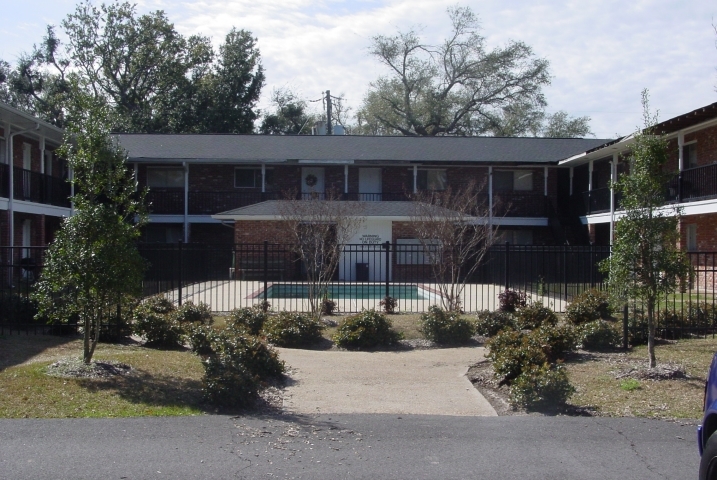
312, 181
370, 184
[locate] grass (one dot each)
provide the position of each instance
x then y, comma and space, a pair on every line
165, 382
598, 389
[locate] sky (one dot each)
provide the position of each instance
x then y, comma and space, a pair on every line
602, 53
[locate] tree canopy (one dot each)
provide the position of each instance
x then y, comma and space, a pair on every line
290, 115
154, 79
460, 87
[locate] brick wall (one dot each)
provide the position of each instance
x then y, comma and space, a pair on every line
706, 231
256, 231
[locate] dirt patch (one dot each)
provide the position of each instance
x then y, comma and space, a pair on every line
76, 368
666, 371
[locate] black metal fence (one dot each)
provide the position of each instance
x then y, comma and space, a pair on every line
228, 276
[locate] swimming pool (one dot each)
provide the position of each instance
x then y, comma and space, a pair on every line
353, 292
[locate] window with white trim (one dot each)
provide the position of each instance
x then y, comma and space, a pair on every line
165, 177
689, 155
512, 180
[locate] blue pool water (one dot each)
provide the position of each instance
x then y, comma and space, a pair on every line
357, 292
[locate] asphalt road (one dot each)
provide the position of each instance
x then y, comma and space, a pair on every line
348, 446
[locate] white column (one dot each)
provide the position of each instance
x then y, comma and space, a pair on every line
415, 179
545, 177
571, 181
263, 178
680, 153
186, 202
42, 154
613, 179
346, 179
590, 176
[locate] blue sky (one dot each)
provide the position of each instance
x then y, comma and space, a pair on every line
602, 52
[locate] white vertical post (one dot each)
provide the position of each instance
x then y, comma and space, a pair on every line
346, 179
186, 202
545, 176
590, 176
42, 154
415, 179
571, 180
613, 179
680, 153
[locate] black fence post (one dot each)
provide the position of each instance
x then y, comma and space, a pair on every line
266, 271
507, 265
565, 273
624, 326
181, 264
387, 246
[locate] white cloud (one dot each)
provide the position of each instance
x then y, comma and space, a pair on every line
602, 52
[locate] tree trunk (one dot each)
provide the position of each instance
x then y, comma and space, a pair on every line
651, 331
87, 354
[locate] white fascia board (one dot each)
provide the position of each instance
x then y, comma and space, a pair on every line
4, 203
22, 206
249, 161
180, 219
327, 162
688, 208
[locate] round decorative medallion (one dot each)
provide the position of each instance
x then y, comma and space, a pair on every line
311, 179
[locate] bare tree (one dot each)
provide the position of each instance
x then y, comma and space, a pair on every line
453, 230
320, 228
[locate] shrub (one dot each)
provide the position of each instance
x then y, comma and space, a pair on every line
365, 330
388, 304
328, 306
554, 341
191, 313
291, 329
249, 319
154, 320
490, 323
511, 300
533, 316
637, 327
599, 335
446, 327
541, 386
588, 306
234, 364
511, 353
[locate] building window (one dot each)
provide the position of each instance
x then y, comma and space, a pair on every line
514, 237
689, 155
410, 251
251, 177
433, 179
165, 177
512, 180
691, 237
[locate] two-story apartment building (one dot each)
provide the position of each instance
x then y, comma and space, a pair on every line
34, 192
202, 184
693, 186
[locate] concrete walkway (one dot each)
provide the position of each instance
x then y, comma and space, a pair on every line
430, 382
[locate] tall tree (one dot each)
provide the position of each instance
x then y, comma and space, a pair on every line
645, 260
455, 87
93, 263
290, 115
460, 87
155, 79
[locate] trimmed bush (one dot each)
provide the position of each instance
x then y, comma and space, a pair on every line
365, 330
328, 306
589, 306
250, 319
154, 319
533, 316
511, 300
292, 329
228, 385
541, 386
637, 327
555, 341
599, 335
512, 352
388, 304
490, 323
201, 338
191, 313
446, 327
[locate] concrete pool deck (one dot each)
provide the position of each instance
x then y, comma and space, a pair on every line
225, 295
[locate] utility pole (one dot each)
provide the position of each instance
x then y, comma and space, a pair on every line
329, 130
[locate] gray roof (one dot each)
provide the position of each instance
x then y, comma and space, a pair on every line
349, 148
272, 208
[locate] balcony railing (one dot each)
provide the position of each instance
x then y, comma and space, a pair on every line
37, 187
515, 204
209, 203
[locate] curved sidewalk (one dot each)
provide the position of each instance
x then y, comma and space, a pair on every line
430, 382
